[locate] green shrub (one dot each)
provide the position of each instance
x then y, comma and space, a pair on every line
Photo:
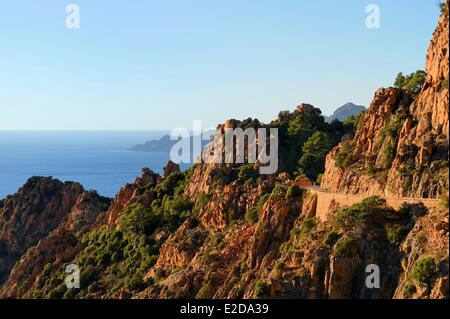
443, 85
170, 185
330, 238
58, 292
355, 122
280, 265
319, 179
88, 275
410, 289
152, 261
344, 157
314, 151
393, 128
424, 270
47, 270
252, 215
279, 190
234, 280
443, 200
247, 172
396, 233
347, 247
370, 168
135, 282
307, 226
202, 200
139, 219
373, 207
411, 83
293, 192
389, 154
205, 292
442, 7
261, 288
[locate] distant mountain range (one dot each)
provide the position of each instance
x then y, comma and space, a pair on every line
344, 112
164, 144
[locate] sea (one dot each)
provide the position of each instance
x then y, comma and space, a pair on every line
98, 160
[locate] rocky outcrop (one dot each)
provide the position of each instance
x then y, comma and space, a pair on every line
401, 149
170, 168
129, 193
42, 206
428, 238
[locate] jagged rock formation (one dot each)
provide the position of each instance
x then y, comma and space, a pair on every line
401, 149
38, 209
127, 195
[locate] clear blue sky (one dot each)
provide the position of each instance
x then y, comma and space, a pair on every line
138, 65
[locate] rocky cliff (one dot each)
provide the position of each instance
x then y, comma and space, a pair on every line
401, 148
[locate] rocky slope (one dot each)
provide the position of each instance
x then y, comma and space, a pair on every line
224, 231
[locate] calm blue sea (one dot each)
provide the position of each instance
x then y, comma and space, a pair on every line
97, 160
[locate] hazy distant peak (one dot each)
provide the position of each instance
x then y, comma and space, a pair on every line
345, 111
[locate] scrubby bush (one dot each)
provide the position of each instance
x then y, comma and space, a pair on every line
314, 151
442, 7
251, 216
410, 289
443, 85
278, 190
411, 83
330, 238
171, 185
202, 200
389, 154
261, 288
88, 275
296, 132
347, 247
370, 168
140, 219
319, 179
344, 157
293, 192
396, 233
424, 270
355, 122
394, 127
369, 209
443, 200
247, 172
135, 282
58, 292
205, 292
307, 226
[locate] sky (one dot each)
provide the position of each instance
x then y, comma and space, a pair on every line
158, 65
